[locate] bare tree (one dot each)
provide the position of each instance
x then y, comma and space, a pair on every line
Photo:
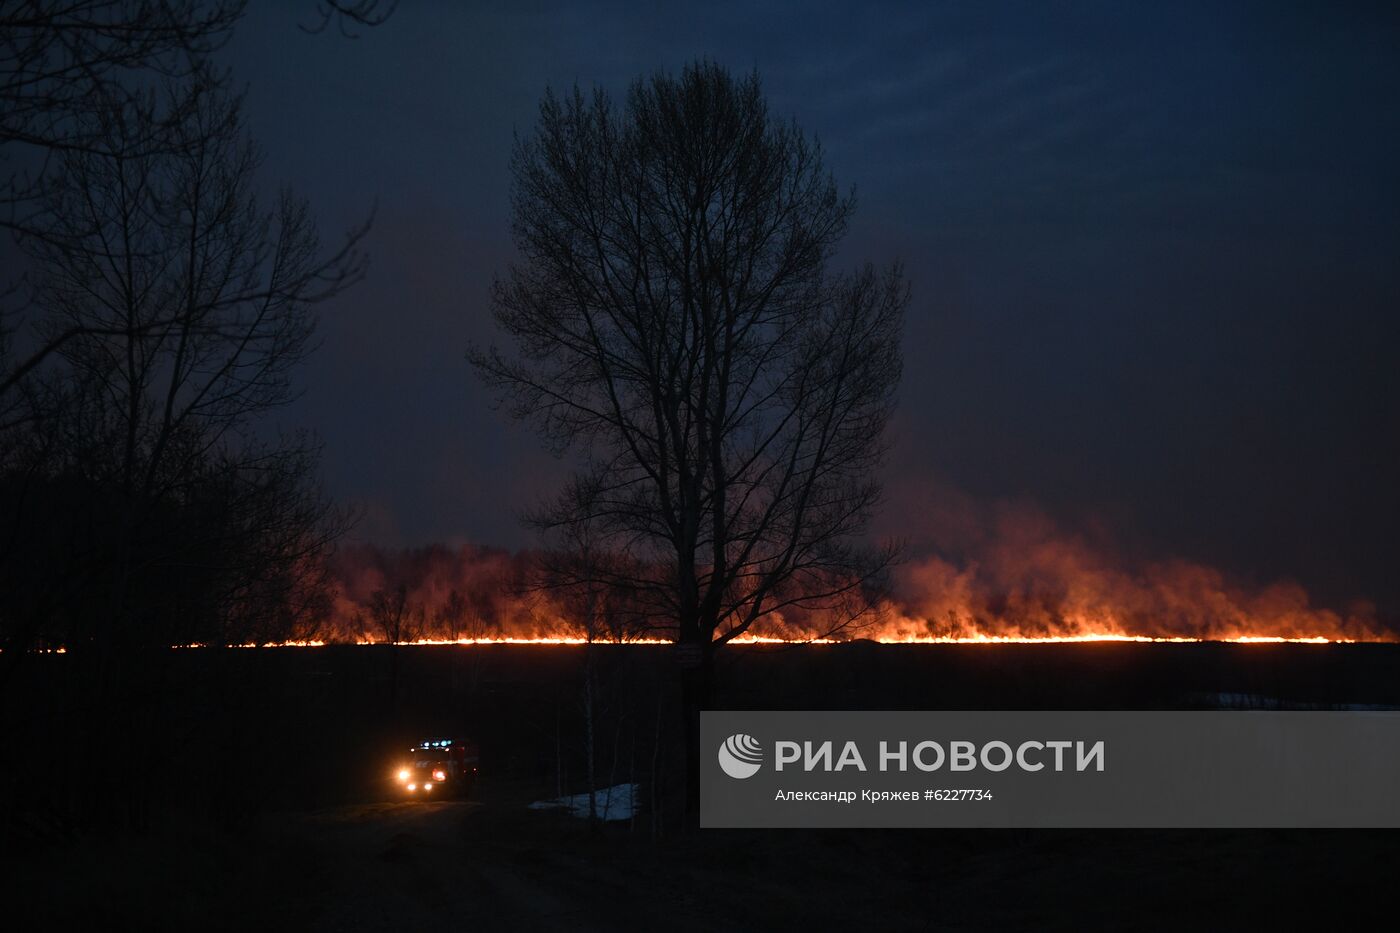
191, 305
143, 501
61, 59
393, 614
574, 572
397, 620
675, 321
462, 616
347, 14
276, 531
66, 66
451, 616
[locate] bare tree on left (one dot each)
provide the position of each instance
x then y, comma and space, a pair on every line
193, 303
64, 63
153, 328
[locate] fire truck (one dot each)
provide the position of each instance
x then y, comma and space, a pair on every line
438, 768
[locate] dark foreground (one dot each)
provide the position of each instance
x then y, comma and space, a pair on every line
495, 865
270, 806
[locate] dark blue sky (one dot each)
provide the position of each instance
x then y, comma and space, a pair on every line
1155, 253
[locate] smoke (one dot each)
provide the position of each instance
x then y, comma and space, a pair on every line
1031, 580
1014, 575
450, 593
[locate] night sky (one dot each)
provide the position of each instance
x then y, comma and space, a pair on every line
1155, 255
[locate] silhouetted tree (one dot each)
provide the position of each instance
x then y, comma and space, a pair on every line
191, 304
462, 616
63, 60
394, 617
396, 620
674, 319
347, 14
67, 65
160, 320
451, 616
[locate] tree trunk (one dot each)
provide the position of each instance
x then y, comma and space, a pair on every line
588, 735
697, 687
394, 680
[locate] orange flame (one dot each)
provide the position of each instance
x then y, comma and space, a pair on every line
1027, 583
767, 640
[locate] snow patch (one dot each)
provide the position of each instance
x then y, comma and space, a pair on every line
618, 802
